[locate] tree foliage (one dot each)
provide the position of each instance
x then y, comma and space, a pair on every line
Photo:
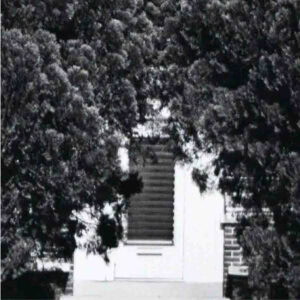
232, 72
79, 76
75, 82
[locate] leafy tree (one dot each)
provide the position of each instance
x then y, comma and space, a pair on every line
79, 76
76, 82
231, 74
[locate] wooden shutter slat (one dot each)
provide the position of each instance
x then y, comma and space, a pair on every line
146, 237
150, 237
157, 214
154, 203
162, 233
164, 154
148, 225
156, 196
160, 172
158, 182
158, 176
156, 168
158, 189
153, 162
155, 219
158, 160
151, 212
152, 232
155, 148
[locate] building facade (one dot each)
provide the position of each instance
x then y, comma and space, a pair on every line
174, 232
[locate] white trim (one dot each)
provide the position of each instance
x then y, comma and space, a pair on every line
149, 279
151, 243
183, 207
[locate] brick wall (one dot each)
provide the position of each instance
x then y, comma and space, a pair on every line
70, 282
232, 251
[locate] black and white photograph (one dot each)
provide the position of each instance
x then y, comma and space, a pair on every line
150, 149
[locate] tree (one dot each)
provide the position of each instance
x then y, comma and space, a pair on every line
232, 73
75, 84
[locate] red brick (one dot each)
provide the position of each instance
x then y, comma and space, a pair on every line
234, 242
233, 259
229, 236
232, 248
228, 230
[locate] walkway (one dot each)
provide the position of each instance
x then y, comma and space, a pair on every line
95, 290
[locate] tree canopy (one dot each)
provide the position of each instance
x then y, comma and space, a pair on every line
75, 84
234, 72
79, 76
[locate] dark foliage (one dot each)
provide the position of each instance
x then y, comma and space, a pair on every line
79, 76
75, 84
34, 285
232, 73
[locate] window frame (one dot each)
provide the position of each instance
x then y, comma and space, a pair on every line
154, 242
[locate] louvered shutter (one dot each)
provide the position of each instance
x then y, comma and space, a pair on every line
151, 212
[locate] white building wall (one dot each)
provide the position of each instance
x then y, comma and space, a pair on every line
202, 238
